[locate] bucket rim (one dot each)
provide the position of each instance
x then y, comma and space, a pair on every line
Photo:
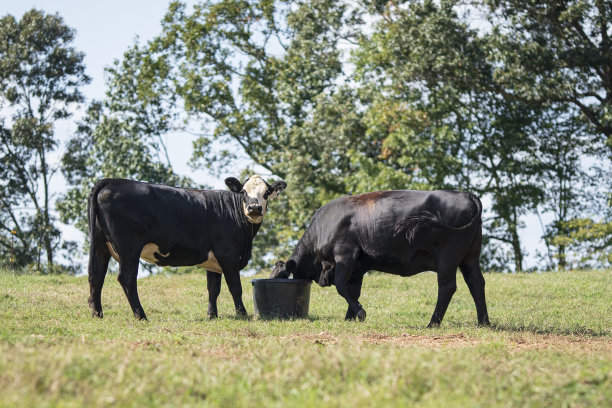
269, 280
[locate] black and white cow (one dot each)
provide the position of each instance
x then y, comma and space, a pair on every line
400, 232
129, 220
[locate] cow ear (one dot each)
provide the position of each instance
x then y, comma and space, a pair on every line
276, 188
279, 271
290, 267
279, 186
233, 184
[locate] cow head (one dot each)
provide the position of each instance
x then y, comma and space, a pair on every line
324, 276
255, 195
283, 270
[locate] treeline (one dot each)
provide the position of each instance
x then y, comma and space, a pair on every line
509, 99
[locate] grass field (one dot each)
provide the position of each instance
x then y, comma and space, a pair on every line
550, 345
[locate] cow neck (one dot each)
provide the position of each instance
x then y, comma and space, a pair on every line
305, 260
254, 228
248, 226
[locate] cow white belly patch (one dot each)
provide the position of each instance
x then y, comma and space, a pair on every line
149, 250
211, 263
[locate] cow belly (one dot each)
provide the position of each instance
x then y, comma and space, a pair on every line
211, 263
150, 253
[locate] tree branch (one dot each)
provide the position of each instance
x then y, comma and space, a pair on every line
606, 130
506, 240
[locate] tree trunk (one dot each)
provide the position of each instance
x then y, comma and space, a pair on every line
516, 241
561, 255
46, 221
516, 247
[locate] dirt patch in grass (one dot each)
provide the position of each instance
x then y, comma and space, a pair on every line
557, 342
460, 340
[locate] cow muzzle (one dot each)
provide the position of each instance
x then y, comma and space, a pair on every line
254, 210
279, 271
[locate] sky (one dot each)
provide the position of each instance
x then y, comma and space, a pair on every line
104, 31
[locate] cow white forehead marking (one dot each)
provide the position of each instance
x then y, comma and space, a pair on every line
255, 186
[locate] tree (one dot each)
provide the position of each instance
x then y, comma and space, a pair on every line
40, 77
561, 145
558, 54
555, 52
423, 103
434, 122
468, 108
261, 78
586, 243
581, 230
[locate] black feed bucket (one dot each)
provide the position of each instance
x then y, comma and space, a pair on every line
281, 298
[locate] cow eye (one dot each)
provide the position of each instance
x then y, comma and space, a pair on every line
269, 192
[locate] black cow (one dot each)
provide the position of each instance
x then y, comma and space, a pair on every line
400, 232
129, 220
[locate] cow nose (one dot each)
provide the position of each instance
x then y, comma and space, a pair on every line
254, 209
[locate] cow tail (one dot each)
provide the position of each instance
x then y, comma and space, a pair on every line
92, 211
92, 202
412, 224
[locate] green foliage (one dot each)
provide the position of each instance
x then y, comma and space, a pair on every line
439, 105
435, 122
549, 346
40, 77
587, 241
549, 51
108, 145
263, 76
341, 97
121, 136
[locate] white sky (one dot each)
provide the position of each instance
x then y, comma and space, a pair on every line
104, 30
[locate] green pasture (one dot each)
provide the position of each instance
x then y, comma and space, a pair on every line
550, 345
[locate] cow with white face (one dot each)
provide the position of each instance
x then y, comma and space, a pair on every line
170, 226
256, 195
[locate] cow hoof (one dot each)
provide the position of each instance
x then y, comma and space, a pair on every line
484, 323
433, 325
212, 316
361, 315
97, 314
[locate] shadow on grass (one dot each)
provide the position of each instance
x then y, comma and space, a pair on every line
206, 319
285, 319
578, 331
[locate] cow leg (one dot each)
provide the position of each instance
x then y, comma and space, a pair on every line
354, 288
476, 283
98, 265
128, 271
235, 287
344, 271
447, 285
213, 283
